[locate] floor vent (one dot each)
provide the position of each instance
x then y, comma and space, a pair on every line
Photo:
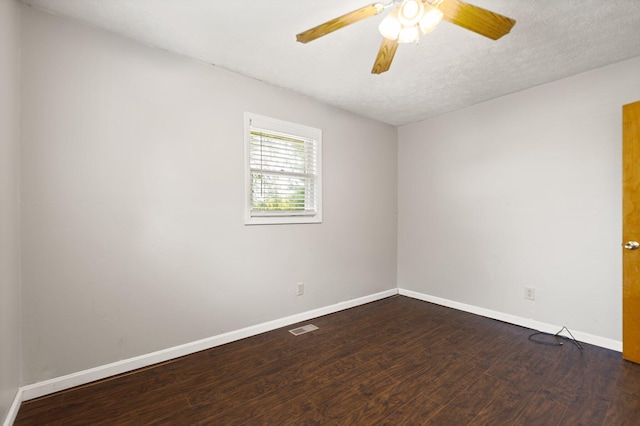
301, 330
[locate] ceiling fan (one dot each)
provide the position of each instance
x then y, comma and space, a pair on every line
409, 18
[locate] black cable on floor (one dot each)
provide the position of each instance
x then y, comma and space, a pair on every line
558, 338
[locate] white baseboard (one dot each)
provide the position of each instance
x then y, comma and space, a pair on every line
68, 381
13, 410
83, 377
603, 342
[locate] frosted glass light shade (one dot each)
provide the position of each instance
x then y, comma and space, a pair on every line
410, 12
390, 26
409, 34
430, 19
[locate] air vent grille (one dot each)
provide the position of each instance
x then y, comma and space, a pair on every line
301, 330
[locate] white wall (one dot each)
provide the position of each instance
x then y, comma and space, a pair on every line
9, 204
524, 190
132, 186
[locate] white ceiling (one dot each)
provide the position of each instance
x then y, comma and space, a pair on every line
449, 69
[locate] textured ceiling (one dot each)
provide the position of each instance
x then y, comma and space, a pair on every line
449, 69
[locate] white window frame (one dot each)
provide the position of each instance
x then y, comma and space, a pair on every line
255, 121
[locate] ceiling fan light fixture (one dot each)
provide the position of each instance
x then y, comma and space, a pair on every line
410, 13
408, 18
430, 19
390, 27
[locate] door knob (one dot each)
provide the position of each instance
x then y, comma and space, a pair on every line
632, 245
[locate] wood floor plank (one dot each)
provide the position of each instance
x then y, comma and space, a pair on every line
564, 380
629, 377
337, 403
414, 411
504, 408
541, 411
624, 409
381, 405
581, 412
466, 405
38, 410
397, 361
624, 406
526, 370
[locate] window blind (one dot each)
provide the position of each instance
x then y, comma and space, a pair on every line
284, 173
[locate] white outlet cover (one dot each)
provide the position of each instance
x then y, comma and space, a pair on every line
530, 293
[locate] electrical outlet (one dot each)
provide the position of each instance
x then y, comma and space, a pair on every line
300, 289
530, 293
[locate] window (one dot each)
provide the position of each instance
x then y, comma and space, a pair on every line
283, 165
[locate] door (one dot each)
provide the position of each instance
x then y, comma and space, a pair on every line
631, 232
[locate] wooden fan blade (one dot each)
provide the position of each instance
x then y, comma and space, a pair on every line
385, 56
340, 22
476, 19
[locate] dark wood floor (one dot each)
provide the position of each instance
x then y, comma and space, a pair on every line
398, 361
